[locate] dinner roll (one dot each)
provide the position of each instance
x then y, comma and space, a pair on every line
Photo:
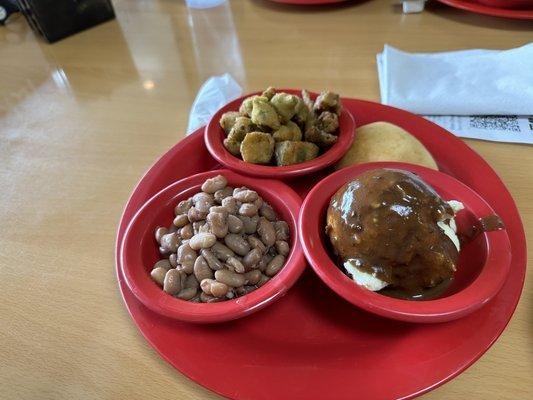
383, 141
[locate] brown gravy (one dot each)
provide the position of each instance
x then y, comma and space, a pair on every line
486, 224
424, 294
387, 221
491, 223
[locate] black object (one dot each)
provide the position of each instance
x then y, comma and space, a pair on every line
56, 19
7, 7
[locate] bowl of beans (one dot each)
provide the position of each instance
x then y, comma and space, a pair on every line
214, 247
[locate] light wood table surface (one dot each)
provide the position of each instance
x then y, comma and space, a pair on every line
82, 119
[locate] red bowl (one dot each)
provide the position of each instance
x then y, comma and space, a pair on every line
483, 263
139, 251
214, 135
507, 3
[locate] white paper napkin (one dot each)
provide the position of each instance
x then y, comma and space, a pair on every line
213, 94
467, 82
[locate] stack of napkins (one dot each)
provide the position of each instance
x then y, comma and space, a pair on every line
484, 94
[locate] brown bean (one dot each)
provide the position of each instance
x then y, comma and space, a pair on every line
251, 259
252, 277
180, 220
203, 201
187, 232
237, 243
191, 282
245, 195
172, 228
202, 240
275, 265
230, 278
221, 251
169, 242
262, 265
172, 282
282, 247
250, 224
256, 243
196, 226
282, 230
213, 262
196, 299
159, 233
165, 263
164, 252
205, 228
187, 293
205, 298
202, 270
214, 288
244, 290
196, 215
218, 224
230, 204
235, 225
213, 184
219, 209
183, 207
266, 232
268, 212
223, 193
173, 260
235, 265
264, 279
158, 275
248, 209
186, 257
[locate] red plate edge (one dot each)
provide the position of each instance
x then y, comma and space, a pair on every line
487, 10
395, 116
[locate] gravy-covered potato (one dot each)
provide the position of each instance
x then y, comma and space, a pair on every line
257, 148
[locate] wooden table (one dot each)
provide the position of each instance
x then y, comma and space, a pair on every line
82, 119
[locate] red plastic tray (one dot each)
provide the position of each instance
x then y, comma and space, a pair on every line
312, 344
478, 8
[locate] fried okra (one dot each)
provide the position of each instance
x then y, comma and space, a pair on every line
285, 105
264, 114
320, 138
302, 112
328, 101
228, 120
328, 122
290, 152
289, 131
269, 92
242, 126
233, 146
257, 147
246, 106
281, 127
